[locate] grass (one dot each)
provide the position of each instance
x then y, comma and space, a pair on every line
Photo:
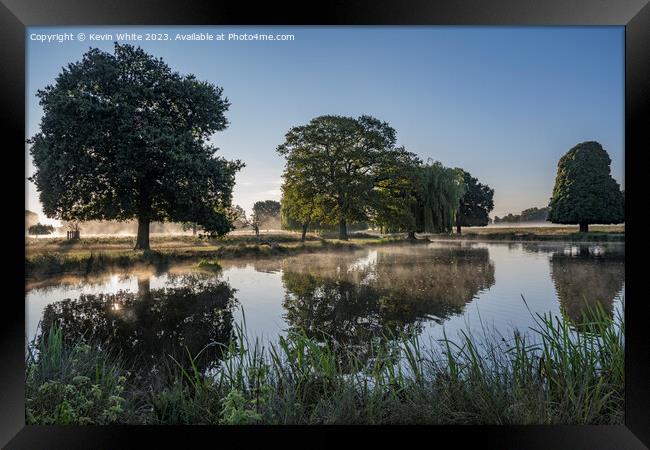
548, 375
49, 256
46, 257
597, 233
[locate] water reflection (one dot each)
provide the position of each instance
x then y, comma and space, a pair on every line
586, 276
349, 302
345, 297
193, 310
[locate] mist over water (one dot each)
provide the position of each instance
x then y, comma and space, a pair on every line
348, 296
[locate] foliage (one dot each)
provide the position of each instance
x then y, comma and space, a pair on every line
300, 208
527, 215
439, 192
475, 204
40, 229
72, 384
237, 216
549, 375
342, 163
584, 191
264, 211
123, 136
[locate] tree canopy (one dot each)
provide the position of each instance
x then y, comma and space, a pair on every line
40, 229
346, 164
123, 136
585, 191
438, 194
475, 204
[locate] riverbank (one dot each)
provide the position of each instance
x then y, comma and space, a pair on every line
567, 378
51, 256
46, 257
597, 233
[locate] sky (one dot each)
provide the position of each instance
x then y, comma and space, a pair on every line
503, 103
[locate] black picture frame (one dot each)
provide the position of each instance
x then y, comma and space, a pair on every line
16, 15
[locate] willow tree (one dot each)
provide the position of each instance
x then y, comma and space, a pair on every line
342, 162
438, 194
123, 136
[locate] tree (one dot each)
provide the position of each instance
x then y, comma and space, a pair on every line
475, 204
237, 216
263, 212
584, 191
438, 194
298, 208
343, 162
123, 136
40, 229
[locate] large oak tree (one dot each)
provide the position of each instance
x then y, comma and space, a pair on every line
344, 163
123, 136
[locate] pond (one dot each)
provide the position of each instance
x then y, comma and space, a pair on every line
347, 297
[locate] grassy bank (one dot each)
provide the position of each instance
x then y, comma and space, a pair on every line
49, 256
56, 256
597, 233
562, 378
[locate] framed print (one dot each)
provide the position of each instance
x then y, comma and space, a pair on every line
375, 217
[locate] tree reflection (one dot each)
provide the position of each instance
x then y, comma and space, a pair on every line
350, 303
585, 277
192, 311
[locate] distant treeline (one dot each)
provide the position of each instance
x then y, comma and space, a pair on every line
527, 215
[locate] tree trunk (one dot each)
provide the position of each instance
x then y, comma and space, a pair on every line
343, 230
584, 227
457, 228
194, 229
142, 242
411, 236
304, 232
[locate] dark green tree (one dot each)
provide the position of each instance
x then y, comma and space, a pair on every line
475, 204
585, 191
123, 136
40, 229
343, 162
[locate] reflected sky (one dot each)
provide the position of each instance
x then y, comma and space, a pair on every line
355, 295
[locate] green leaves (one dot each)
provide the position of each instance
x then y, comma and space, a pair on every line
340, 169
124, 136
585, 191
439, 192
476, 203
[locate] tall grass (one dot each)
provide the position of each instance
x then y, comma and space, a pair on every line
547, 375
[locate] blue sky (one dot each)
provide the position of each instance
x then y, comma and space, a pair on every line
504, 103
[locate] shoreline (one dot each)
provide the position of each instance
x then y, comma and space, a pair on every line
44, 259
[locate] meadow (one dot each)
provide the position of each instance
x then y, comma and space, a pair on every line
46, 256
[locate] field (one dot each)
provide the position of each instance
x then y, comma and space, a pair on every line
52, 255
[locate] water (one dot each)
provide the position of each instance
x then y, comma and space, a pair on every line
352, 296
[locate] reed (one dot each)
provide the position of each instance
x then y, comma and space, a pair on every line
550, 374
